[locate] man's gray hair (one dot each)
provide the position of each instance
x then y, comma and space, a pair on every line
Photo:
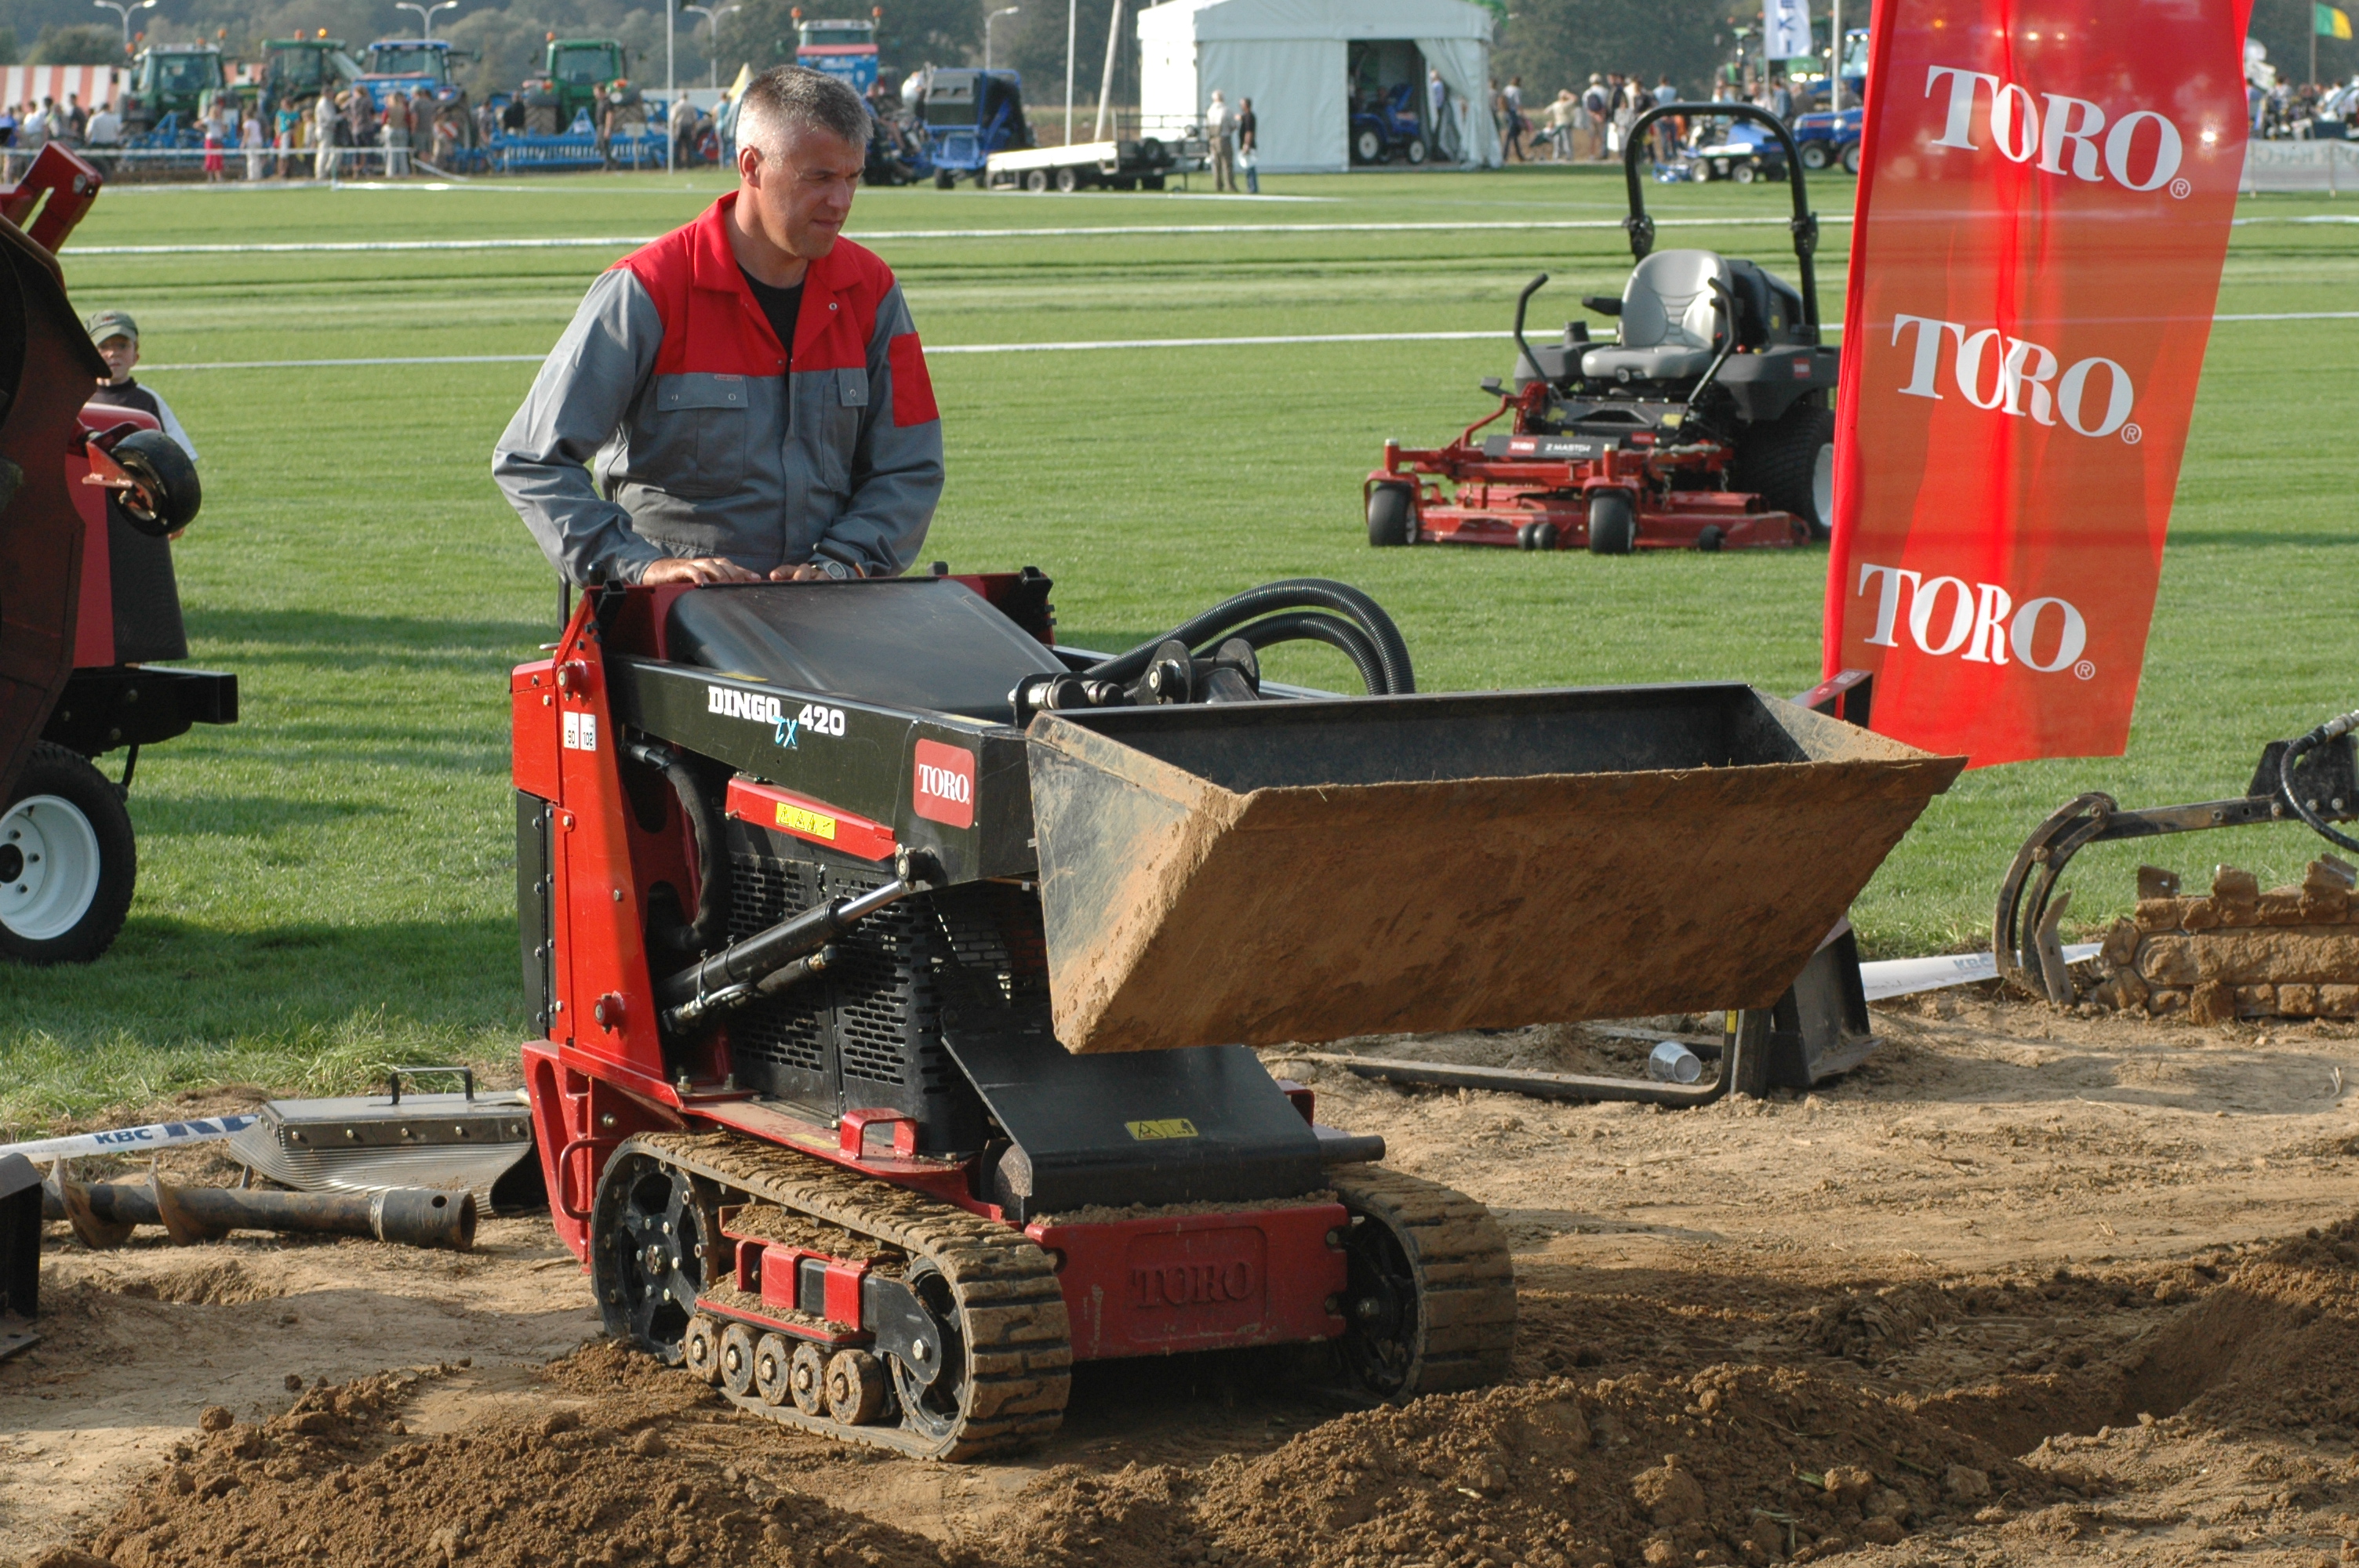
786, 97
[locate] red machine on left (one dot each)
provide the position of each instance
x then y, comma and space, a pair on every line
89, 497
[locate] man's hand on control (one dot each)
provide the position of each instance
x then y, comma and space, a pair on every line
807, 572
698, 570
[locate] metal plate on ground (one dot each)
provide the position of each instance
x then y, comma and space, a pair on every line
451, 1142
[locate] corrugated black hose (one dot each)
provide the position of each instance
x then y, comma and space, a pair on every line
1229, 617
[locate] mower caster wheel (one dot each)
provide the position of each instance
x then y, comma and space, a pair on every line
1391, 515
701, 1351
1613, 526
1711, 539
807, 1378
855, 1387
773, 1366
165, 493
737, 1358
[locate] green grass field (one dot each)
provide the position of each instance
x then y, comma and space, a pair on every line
327, 885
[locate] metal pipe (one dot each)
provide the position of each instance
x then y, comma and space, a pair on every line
727, 979
413, 1216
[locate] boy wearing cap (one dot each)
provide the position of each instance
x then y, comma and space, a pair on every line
116, 338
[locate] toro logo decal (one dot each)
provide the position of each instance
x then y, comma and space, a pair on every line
942, 788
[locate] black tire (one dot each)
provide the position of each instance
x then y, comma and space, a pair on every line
944, 179
1744, 174
168, 494
67, 861
1416, 149
1711, 539
1391, 515
1814, 156
1367, 147
1152, 182
1851, 159
1545, 537
1524, 538
1612, 524
1037, 181
1068, 181
1782, 462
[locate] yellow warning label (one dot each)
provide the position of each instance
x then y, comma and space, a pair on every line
1170, 1127
795, 819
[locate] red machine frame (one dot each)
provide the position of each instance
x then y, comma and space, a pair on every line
1498, 498
1260, 1275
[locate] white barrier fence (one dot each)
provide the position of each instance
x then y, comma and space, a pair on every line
2304, 167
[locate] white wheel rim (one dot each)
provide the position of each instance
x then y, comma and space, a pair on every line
55, 862
1822, 485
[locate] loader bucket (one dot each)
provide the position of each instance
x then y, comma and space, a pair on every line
1300, 871
47, 371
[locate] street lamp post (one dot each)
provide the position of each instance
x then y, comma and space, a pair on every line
123, 11
425, 12
711, 15
987, 21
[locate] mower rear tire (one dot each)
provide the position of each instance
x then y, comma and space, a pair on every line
1391, 515
1612, 524
1783, 461
68, 860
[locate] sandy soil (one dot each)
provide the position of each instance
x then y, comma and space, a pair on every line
2027, 1286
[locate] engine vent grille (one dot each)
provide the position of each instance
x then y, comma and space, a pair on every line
790, 1031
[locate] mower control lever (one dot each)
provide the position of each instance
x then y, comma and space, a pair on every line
1604, 303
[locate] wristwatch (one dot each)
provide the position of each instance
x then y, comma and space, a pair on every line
834, 568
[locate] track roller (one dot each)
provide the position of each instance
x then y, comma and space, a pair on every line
986, 1374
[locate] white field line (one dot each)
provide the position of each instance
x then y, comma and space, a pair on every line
324, 248
936, 349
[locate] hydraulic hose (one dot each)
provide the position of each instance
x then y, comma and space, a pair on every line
1295, 593
1317, 626
2332, 730
710, 925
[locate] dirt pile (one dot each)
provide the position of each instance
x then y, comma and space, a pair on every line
635, 1476
1736, 1463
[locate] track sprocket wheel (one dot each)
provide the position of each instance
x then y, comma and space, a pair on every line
1432, 1302
651, 1234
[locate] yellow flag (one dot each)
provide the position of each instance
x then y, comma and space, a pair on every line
744, 79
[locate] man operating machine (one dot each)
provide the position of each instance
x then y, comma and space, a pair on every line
745, 397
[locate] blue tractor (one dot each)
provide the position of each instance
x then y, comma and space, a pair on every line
1384, 125
969, 115
1826, 140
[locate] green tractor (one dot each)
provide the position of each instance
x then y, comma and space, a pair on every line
298, 70
171, 87
568, 81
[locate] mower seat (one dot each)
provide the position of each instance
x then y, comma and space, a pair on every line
1672, 321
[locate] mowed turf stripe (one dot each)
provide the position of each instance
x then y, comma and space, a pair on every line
935, 349
312, 247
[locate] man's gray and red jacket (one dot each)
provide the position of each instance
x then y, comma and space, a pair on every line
665, 422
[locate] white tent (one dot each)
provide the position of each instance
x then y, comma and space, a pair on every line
1290, 56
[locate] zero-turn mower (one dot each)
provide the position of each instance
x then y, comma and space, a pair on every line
1708, 424
89, 495
896, 970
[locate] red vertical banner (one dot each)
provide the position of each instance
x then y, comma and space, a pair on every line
2044, 205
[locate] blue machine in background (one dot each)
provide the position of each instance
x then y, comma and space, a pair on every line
845, 49
1387, 125
969, 115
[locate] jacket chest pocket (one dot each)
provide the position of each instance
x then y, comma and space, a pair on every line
844, 404
699, 431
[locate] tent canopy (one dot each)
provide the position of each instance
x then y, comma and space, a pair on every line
1291, 57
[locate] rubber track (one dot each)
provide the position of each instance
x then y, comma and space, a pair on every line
1012, 1313
1465, 1275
